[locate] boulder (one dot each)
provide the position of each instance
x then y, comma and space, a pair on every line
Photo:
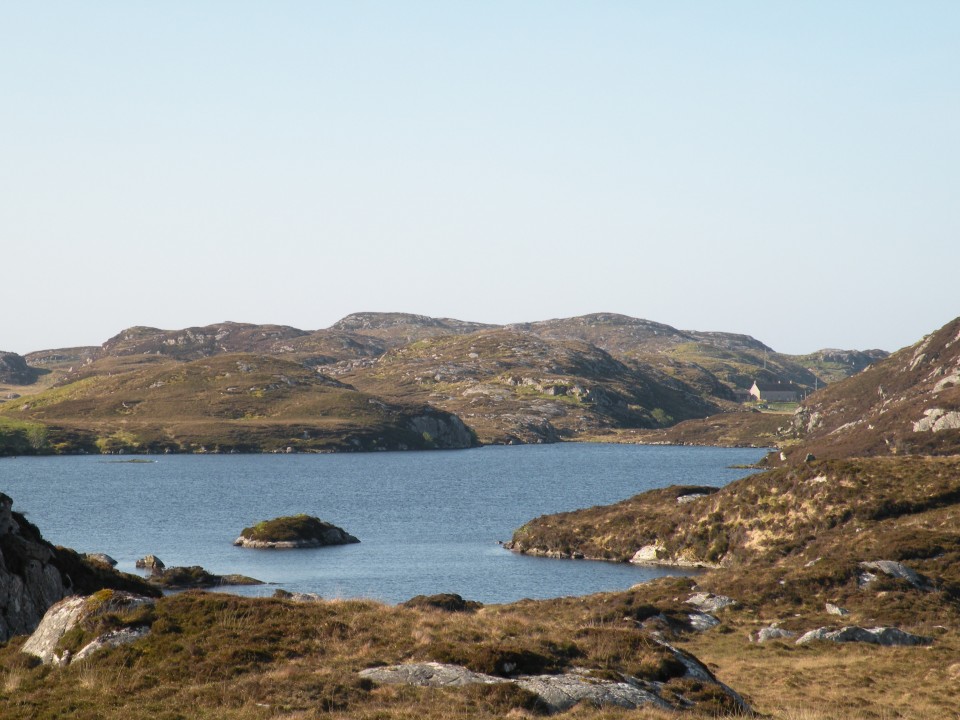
101, 558
448, 602
293, 531
702, 621
70, 612
151, 563
836, 610
888, 636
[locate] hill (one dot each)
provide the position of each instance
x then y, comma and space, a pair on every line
231, 402
516, 387
594, 377
865, 534
908, 403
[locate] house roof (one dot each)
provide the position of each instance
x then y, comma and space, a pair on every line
764, 386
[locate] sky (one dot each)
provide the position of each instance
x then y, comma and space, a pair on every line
785, 170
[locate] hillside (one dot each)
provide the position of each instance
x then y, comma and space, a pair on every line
226, 403
908, 403
866, 534
594, 377
516, 387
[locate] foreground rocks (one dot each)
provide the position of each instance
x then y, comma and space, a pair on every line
293, 531
68, 614
34, 574
561, 692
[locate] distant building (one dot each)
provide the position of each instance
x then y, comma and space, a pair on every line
775, 391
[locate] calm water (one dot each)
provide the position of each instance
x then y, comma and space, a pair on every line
428, 522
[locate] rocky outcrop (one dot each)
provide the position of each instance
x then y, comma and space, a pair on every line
34, 574
656, 554
194, 576
69, 613
15, 371
442, 430
447, 602
888, 636
293, 531
562, 691
895, 570
151, 563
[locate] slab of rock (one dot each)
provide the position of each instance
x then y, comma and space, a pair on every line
896, 570
702, 621
295, 531
114, 638
559, 692
562, 692
889, 636
428, 674
774, 633
710, 603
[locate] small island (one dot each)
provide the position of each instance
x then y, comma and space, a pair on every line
293, 531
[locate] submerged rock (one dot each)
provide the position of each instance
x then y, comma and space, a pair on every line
294, 531
194, 576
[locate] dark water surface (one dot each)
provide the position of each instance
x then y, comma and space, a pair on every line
428, 522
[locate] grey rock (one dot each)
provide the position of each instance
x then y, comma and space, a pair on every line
57, 622
29, 582
562, 692
427, 674
708, 602
702, 621
896, 570
836, 610
65, 615
888, 636
557, 692
774, 633
114, 638
150, 562
101, 558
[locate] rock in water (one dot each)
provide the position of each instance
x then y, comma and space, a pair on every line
295, 531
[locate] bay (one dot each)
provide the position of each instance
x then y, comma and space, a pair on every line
428, 522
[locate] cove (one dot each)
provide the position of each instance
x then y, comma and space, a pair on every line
428, 522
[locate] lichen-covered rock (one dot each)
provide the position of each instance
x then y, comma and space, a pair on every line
878, 636
293, 531
562, 691
67, 614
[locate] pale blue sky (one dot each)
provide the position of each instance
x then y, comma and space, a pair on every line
783, 169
